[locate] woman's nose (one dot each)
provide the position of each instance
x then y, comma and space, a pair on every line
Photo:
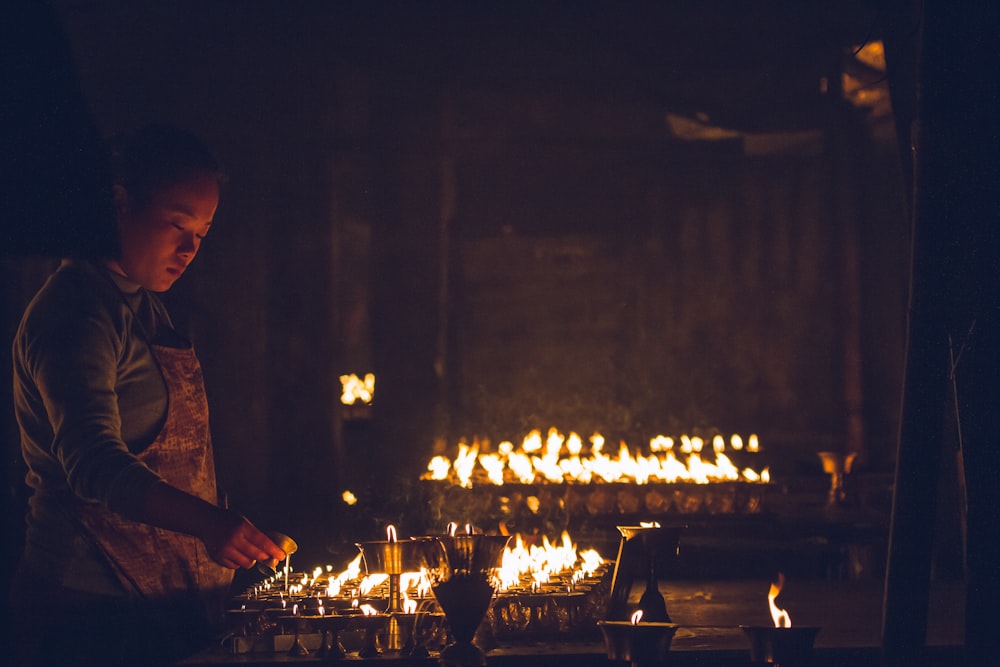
188, 245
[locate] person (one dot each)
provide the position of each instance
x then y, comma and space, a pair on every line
128, 554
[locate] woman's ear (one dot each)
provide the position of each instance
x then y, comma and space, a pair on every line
121, 199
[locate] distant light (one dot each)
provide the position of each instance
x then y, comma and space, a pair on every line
354, 389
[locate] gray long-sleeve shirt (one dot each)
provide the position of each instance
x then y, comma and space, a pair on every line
88, 396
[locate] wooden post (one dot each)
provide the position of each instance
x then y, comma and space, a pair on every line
919, 446
955, 215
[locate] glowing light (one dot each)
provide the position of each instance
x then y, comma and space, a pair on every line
438, 467
355, 389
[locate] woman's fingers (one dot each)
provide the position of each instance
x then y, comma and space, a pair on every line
245, 545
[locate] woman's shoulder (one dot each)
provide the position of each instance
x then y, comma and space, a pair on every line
76, 293
75, 285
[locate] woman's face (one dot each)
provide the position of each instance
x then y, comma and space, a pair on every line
160, 239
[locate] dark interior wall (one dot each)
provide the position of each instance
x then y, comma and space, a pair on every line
719, 311
609, 277
716, 282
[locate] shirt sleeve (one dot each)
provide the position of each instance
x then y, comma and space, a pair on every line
74, 367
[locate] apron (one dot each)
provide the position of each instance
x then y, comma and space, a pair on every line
150, 562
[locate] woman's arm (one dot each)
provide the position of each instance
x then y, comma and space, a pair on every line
231, 540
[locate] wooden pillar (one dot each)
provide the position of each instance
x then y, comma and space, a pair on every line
955, 215
919, 445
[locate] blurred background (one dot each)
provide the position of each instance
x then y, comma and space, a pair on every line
627, 218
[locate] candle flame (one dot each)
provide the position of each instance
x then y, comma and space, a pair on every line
535, 565
636, 617
390, 533
368, 610
370, 582
353, 571
558, 459
780, 616
420, 582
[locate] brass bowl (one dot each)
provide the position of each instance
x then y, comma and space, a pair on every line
637, 642
784, 646
397, 557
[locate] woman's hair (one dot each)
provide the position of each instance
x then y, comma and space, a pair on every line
146, 161
156, 157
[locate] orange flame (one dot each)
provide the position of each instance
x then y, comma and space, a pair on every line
536, 565
780, 616
559, 458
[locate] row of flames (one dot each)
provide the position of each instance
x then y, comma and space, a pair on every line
561, 459
525, 567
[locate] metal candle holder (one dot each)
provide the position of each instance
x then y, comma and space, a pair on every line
837, 465
637, 643
393, 558
643, 554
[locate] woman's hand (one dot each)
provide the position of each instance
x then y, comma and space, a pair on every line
234, 542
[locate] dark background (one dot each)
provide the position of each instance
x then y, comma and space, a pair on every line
495, 210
